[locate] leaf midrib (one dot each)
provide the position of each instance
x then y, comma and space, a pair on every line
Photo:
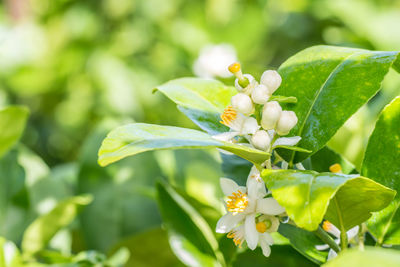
300, 132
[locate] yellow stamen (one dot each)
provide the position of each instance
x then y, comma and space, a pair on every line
336, 168
327, 226
237, 202
228, 116
237, 240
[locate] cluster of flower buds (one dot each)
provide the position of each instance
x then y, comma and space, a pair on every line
240, 116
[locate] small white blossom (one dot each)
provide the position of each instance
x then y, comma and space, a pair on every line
249, 88
261, 140
243, 104
271, 79
270, 115
287, 121
260, 94
213, 60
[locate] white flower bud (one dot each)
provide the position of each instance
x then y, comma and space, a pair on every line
250, 126
270, 116
271, 79
286, 122
249, 88
242, 103
261, 140
260, 94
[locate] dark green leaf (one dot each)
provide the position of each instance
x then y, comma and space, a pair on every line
330, 83
306, 196
325, 157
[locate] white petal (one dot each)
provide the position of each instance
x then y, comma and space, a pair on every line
353, 232
332, 254
265, 247
322, 247
268, 238
300, 166
269, 206
227, 222
227, 136
251, 234
334, 231
284, 165
287, 141
250, 126
228, 186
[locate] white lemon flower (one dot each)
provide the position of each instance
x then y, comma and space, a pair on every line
261, 140
244, 83
243, 205
260, 94
333, 230
286, 122
271, 79
243, 104
270, 115
239, 125
213, 60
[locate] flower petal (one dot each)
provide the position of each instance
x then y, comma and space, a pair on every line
269, 206
227, 136
332, 254
287, 141
322, 247
265, 245
353, 232
228, 186
251, 234
227, 222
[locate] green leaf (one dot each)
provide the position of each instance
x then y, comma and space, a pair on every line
330, 83
190, 237
326, 157
381, 163
136, 138
307, 195
369, 257
12, 125
40, 232
304, 242
9, 254
202, 100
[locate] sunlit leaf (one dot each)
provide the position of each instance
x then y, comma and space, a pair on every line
307, 197
330, 83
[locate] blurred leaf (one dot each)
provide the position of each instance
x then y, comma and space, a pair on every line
304, 242
40, 232
141, 249
326, 157
12, 124
280, 256
136, 138
190, 237
370, 257
381, 163
308, 196
330, 83
9, 254
203, 101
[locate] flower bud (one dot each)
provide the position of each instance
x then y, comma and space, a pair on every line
242, 103
271, 79
260, 94
286, 122
250, 126
270, 116
261, 140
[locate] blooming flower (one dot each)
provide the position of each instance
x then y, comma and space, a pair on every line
244, 204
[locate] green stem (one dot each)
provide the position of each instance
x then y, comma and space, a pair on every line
326, 238
343, 239
361, 236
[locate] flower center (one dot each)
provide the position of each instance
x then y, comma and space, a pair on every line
263, 226
238, 240
336, 168
228, 116
327, 226
237, 202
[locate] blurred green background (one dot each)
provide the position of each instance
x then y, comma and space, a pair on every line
84, 67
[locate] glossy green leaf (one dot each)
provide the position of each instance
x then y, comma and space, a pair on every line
190, 237
136, 138
381, 163
369, 257
40, 232
307, 197
304, 242
326, 157
202, 100
330, 83
12, 125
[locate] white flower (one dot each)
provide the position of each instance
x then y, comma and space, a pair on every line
261, 140
244, 203
260, 94
333, 230
286, 122
238, 124
243, 104
213, 60
249, 88
270, 115
271, 79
